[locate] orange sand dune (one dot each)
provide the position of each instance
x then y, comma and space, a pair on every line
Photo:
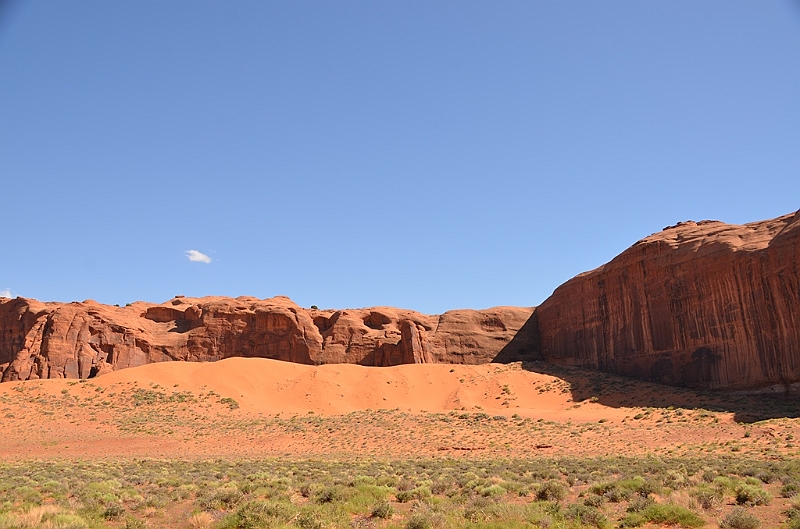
249, 407
270, 387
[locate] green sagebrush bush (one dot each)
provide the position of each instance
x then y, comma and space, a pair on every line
739, 518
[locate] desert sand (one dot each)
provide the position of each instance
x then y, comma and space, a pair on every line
260, 408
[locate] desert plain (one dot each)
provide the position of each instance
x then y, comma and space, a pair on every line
658, 390
253, 442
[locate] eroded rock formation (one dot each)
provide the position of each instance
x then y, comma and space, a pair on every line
81, 340
702, 304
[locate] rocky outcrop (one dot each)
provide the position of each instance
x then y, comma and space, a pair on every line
81, 340
701, 304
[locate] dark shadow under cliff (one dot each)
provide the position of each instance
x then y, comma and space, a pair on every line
524, 346
618, 391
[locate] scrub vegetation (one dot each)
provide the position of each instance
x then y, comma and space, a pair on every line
414, 493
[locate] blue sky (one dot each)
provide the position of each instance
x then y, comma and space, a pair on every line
430, 155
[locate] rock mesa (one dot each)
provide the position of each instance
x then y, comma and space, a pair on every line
701, 304
81, 340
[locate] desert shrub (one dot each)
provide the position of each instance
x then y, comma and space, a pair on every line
232, 404
201, 520
739, 518
263, 484
479, 510
632, 519
515, 487
67, 521
362, 498
601, 488
418, 521
670, 514
675, 479
418, 493
256, 513
309, 520
663, 514
709, 475
406, 484
752, 495
646, 487
41, 516
385, 480
795, 503
441, 486
101, 493
789, 490
53, 488
27, 494
617, 495
707, 497
640, 503
134, 523
621, 490
382, 509
113, 511
333, 494
594, 501
307, 490
586, 515
180, 494
221, 498
492, 490
766, 476
551, 491
362, 480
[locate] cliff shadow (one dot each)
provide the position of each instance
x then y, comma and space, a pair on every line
617, 391
524, 346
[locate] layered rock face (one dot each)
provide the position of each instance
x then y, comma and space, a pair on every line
81, 340
701, 304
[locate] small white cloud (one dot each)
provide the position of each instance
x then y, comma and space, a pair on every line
197, 257
6, 293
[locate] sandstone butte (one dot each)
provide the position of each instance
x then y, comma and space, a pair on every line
82, 340
700, 304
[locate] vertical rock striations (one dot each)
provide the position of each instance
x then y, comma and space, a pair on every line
702, 304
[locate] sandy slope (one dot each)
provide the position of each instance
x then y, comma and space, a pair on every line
256, 407
270, 387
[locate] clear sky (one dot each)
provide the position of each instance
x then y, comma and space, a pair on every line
423, 154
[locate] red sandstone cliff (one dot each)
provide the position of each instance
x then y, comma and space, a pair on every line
699, 304
702, 304
80, 340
